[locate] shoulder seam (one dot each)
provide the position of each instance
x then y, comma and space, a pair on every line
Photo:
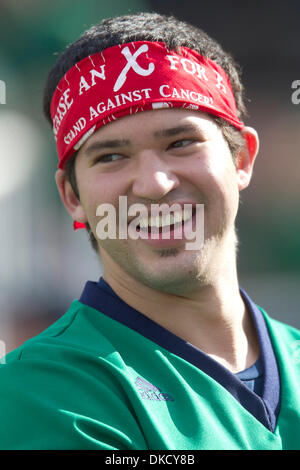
54, 335
67, 326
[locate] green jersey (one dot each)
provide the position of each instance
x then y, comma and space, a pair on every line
106, 377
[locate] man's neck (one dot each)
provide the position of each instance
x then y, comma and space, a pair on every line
212, 318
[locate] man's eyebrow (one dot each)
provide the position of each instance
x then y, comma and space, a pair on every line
113, 143
172, 131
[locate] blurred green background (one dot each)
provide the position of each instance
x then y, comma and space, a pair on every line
43, 263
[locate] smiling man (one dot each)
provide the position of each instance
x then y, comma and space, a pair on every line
172, 156
165, 351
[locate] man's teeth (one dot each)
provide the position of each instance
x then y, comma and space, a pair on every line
160, 221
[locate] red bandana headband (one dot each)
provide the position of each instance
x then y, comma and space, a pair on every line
130, 78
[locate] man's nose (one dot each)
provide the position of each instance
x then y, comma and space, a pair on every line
153, 177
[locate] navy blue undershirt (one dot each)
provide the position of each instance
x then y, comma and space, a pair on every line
257, 388
253, 377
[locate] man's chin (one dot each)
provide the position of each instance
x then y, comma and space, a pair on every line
170, 279
171, 270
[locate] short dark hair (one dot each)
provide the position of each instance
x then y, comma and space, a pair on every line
147, 27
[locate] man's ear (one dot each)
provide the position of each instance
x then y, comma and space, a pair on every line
246, 157
69, 198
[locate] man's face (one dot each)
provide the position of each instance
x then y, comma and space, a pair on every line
163, 156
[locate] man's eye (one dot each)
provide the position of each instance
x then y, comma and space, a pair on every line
181, 143
110, 157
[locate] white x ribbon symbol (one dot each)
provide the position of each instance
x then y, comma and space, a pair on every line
131, 63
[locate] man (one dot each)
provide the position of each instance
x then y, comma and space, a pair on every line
165, 351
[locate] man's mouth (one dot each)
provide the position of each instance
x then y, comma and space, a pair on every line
165, 222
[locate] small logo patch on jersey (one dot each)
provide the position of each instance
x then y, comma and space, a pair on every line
148, 391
